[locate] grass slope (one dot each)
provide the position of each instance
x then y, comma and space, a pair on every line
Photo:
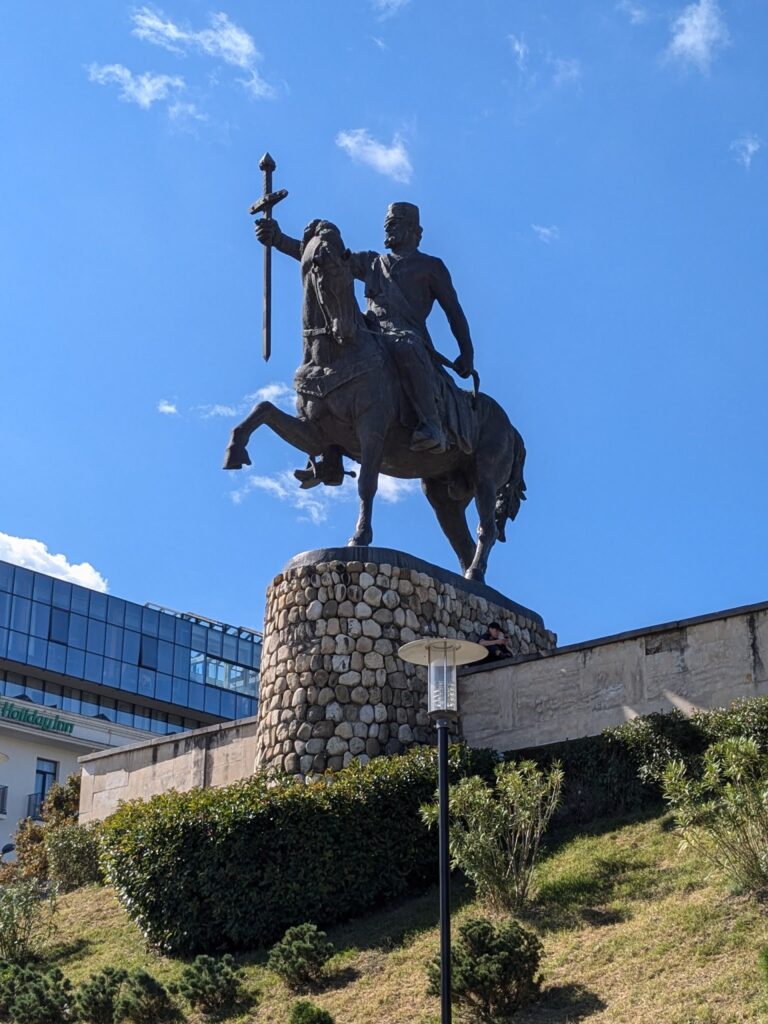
635, 932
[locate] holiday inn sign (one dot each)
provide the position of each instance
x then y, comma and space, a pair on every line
25, 716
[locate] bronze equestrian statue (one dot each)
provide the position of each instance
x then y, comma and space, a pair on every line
372, 387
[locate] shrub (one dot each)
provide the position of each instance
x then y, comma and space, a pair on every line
304, 1012
724, 812
211, 986
96, 998
300, 956
72, 851
26, 916
145, 1000
495, 832
232, 868
494, 969
41, 997
62, 803
31, 858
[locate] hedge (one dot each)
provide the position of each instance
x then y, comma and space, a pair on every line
233, 868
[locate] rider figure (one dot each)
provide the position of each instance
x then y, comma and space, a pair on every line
400, 289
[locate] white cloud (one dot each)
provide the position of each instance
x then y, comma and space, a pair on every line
745, 149
392, 161
33, 554
280, 394
520, 50
387, 8
636, 13
223, 41
316, 504
143, 89
167, 408
379, 42
185, 114
697, 33
546, 234
566, 69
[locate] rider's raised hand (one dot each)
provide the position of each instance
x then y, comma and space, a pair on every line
463, 367
267, 231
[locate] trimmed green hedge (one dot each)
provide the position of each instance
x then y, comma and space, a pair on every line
233, 868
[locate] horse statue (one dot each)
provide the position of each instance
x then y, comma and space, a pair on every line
350, 401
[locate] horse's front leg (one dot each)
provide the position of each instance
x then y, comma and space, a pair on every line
371, 451
485, 502
299, 433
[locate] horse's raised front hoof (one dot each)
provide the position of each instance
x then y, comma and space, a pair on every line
236, 457
477, 575
361, 540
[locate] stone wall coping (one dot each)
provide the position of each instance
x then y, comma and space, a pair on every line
174, 737
402, 560
616, 638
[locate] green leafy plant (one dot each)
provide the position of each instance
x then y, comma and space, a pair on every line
494, 969
233, 867
26, 918
496, 831
304, 1012
762, 960
300, 956
96, 998
41, 997
723, 812
145, 1000
211, 986
73, 855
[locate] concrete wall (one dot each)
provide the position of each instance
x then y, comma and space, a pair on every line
580, 690
214, 756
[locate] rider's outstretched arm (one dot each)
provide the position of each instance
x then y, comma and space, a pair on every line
268, 233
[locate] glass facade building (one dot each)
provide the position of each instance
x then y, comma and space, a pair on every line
64, 646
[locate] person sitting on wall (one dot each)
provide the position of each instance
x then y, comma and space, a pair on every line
498, 645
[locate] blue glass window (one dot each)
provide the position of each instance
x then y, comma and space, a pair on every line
212, 700
62, 594
163, 687
131, 644
43, 588
17, 646
124, 713
75, 662
146, 682
89, 704
245, 707
230, 647
115, 611
132, 616
181, 657
6, 576
215, 645
80, 600
5, 608
96, 631
183, 632
22, 582
196, 696
20, 612
3, 642
165, 657
180, 691
228, 704
37, 651
167, 627
57, 658
148, 652
59, 626
150, 621
111, 674
197, 667
78, 628
129, 678
98, 607
40, 620
113, 642
94, 666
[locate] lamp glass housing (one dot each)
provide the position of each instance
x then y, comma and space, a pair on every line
442, 689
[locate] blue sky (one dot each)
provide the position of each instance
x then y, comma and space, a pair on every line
594, 176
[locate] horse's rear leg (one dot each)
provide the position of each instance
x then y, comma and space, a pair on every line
452, 520
485, 501
297, 432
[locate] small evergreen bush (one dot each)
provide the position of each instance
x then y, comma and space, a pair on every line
26, 917
73, 855
42, 997
95, 999
300, 956
304, 1012
494, 969
145, 1000
210, 986
496, 831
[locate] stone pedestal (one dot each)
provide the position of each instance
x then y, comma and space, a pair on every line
332, 687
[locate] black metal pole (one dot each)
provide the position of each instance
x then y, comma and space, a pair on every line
445, 874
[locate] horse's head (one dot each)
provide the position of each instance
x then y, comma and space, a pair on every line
325, 261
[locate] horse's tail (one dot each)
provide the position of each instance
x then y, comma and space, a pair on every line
512, 493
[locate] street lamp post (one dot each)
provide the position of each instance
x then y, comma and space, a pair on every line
443, 656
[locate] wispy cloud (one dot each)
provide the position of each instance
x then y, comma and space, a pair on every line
280, 394
697, 33
222, 40
186, 115
546, 234
520, 50
565, 70
745, 149
636, 13
386, 8
143, 89
167, 408
33, 554
379, 42
316, 505
392, 161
